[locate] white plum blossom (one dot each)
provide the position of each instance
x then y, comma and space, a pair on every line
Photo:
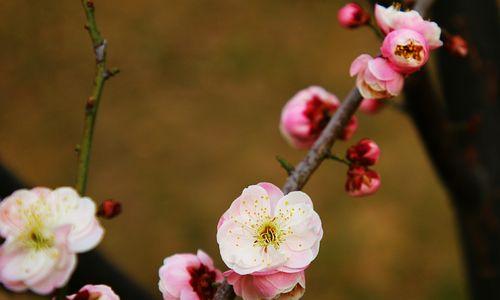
43, 231
265, 231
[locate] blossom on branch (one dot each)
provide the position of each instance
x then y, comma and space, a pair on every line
188, 277
278, 285
407, 50
265, 232
352, 15
306, 115
43, 231
94, 292
376, 79
392, 18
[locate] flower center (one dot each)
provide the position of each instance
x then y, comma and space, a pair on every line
202, 280
410, 50
268, 233
318, 112
38, 241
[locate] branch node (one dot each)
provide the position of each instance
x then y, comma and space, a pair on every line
100, 51
285, 165
111, 73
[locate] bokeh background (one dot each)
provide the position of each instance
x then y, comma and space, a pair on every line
192, 119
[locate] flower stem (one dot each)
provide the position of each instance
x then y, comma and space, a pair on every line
337, 158
92, 105
375, 30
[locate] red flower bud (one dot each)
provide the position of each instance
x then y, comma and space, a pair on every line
361, 181
366, 153
371, 106
352, 15
109, 209
456, 45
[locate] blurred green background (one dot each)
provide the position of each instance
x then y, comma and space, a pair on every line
192, 119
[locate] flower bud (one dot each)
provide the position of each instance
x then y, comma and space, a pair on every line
109, 209
352, 15
306, 115
457, 46
361, 181
407, 50
371, 106
366, 152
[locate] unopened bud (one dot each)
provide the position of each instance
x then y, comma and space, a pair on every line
366, 152
361, 181
109, 209
352, 15
457, 46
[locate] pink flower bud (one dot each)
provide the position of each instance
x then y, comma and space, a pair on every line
361, 181
371, 106
109, 209
375, 77
279, 285
305, 116
94, 292
366, 152
188, 276
406, 49
457, 46
352, 15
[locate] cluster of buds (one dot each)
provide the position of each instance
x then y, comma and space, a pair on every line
361, 180
306, 115
407, 44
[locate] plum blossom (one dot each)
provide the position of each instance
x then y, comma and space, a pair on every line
407, 50
392, 18
366, 152
306, 115
375, 77
457, 45
361, 181
264, 231
279, 285
43, 231
371, 106
188, 277
94, 292
352, 15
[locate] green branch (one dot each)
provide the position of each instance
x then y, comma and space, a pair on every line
92, 105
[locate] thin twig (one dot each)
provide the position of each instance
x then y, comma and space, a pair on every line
92, 105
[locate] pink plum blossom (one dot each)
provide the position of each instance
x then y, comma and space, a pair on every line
366, 152
352, 15
94, 292
371, 106
43, 231
264, 231
306, 115
188, 277
407, 50
361, 181
375, 77
279, 285
392, 18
